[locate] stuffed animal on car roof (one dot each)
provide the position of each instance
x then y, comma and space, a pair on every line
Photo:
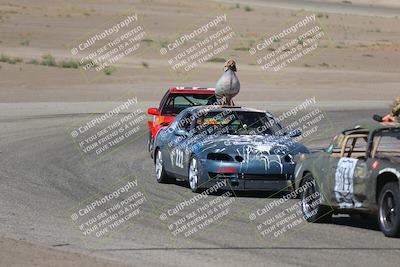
228, 85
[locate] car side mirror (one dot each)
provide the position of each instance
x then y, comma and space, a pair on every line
180, 132
377, 118
153, 111
295, 133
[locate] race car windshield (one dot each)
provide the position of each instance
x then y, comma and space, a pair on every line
178, 102
238, 123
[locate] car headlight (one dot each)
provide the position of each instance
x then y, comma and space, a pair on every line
288, 158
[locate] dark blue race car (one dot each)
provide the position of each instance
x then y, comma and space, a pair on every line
244, 148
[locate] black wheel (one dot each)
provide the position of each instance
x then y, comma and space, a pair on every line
389, 210
193, 174
150, 143
161, 175
311, 206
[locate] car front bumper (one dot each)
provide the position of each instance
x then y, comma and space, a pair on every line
254, 176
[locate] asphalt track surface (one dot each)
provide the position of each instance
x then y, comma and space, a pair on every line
43, 177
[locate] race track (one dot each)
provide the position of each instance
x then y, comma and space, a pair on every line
43, 177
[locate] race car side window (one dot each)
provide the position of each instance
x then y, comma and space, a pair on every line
162, 102
169, 106
387, 145
184, 122
175, 125
187, 122
355, 146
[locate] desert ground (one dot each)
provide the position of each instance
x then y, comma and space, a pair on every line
353, 74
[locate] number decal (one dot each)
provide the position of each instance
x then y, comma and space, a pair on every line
344, 182
177, 158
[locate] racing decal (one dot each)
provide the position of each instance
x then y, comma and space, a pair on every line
256, 150
177, 158
266, 152
392, 170
344, 182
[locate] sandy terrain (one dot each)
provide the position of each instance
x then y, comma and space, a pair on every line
357, 59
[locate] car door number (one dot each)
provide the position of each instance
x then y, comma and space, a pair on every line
177, 158
344, 182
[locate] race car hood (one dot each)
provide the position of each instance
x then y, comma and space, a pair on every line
251, 145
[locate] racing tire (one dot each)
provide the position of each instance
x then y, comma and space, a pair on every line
389, 210
313, 210
161, 175
193, 174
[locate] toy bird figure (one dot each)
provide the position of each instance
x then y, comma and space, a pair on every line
228, 86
